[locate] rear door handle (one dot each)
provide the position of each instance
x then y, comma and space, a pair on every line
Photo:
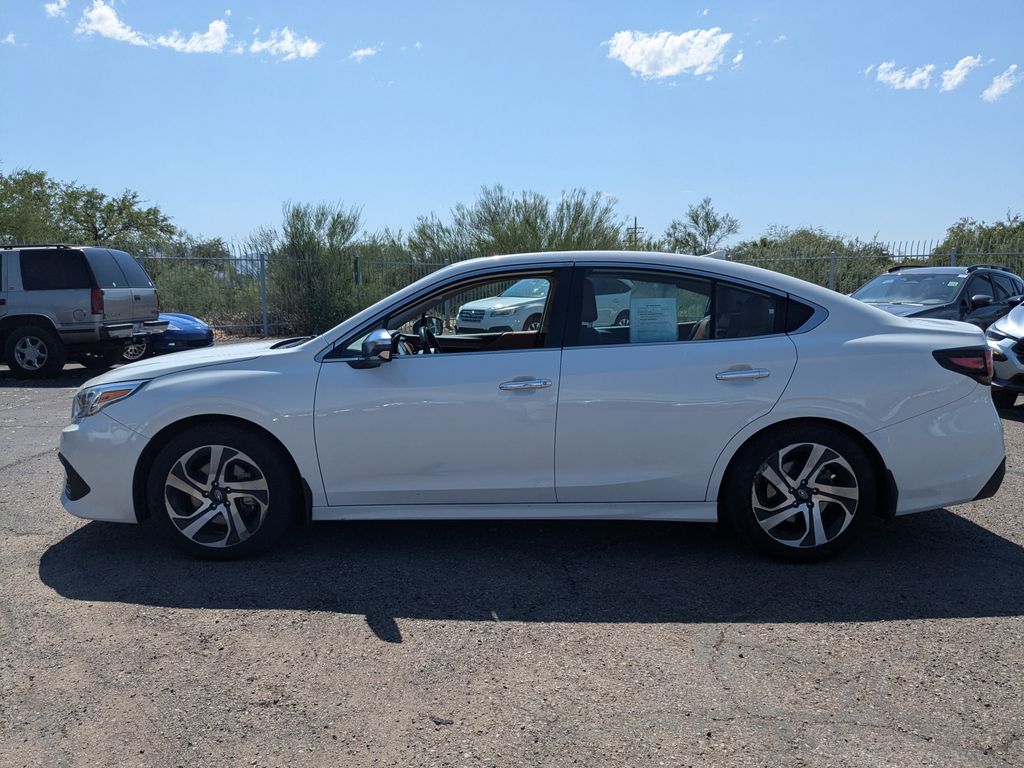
749, 373
514, 386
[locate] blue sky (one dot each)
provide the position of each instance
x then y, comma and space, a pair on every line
863, 118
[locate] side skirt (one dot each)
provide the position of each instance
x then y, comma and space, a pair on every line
688, 511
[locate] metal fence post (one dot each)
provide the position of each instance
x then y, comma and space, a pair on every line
832, 271
263, 293
952, 257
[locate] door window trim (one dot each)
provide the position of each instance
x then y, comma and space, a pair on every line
574, 310
559, 274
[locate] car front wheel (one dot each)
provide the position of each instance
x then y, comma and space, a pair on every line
34, 352
221, 492
1003, 398
800, 493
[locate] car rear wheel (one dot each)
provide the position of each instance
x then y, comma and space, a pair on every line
221, 492
136, 349
1003, 398
623, 318
34, 352
800, 493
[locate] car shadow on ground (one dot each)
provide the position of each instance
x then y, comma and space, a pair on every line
72, 376
933, 565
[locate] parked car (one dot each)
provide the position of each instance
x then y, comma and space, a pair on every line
60, 303
183, 332
787, 410
1006, 338
521, 307
979, 294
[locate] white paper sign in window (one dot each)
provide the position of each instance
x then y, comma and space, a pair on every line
652, 320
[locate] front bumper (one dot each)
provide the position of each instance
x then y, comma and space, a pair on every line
946, 456
1007, 363
101, 454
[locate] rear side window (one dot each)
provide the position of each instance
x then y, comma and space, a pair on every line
741, 313
1004, 287
54, 270
105, 269
137, 277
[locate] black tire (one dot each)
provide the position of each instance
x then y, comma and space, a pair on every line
264, 516
34, 352
533, 323
136, 350
622, 318
100, 359
1003, 398
844, 465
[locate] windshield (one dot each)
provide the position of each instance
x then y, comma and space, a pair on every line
527, 289
910, 289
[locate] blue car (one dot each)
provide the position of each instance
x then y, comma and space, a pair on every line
183, 332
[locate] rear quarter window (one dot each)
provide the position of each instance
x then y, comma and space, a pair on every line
105, 269
54, 270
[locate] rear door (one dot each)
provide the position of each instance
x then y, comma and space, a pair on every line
144, 305
117, 296
645, 409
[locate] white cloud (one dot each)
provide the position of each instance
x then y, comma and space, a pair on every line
887, 74
102, 20
285, 44
870, 69
705, 12
363, 53
954, 78
663, 54
418, 45
1001, 84
737, 58
9, 40
779, 39
214, 40
56, 8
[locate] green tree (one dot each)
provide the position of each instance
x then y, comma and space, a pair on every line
91, 217
499, 221
28, 207
968, 236
701, 231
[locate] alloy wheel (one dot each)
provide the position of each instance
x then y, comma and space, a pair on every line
805, 495
31, 353
216, 496
135, 350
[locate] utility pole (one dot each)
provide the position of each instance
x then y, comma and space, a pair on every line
633, 234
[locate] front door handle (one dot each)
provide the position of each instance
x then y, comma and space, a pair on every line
515, 386
748, 373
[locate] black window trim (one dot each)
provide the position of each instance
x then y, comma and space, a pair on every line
571, 337
561, 276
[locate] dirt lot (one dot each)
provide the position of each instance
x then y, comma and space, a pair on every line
500, 644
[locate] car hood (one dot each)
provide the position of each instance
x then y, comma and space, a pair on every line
183, 361
184, 322
500, 302
1011, 324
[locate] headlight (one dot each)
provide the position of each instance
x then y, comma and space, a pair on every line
504, 312
94, 399
996, 335
172, 327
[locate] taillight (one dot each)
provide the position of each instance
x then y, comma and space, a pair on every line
975, 362
96, 301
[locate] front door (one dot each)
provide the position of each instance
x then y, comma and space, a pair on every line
452, 418
646, 408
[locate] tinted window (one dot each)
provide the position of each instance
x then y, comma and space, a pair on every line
137, 277
979, 286
50, 270
797, 313
741, 312
105, 269
1004, 287
911, 287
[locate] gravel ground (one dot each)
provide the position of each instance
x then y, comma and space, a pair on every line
497, 644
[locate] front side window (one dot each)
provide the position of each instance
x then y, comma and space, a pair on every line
635, 307
473, 316
980, 286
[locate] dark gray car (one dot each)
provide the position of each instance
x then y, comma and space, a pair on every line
60, 303
978, 294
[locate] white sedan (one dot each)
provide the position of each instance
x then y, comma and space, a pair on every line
733, 393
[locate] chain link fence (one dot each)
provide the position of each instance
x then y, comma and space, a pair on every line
244, 293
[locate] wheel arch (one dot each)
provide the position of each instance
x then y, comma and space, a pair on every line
9, 322
887, 493
169, 432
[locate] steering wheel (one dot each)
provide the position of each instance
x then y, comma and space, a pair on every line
428, 341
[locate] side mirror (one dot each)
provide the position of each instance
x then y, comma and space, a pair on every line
377, 347
980, 301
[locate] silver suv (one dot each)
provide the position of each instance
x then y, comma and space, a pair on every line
60, 303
